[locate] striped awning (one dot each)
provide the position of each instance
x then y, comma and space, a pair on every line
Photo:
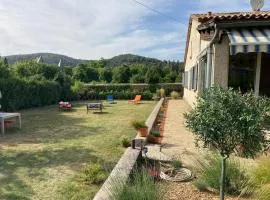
249, 40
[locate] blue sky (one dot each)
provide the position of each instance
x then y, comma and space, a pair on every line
92, 29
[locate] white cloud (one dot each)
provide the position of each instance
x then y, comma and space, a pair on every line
84, 28
100, 28
227, 5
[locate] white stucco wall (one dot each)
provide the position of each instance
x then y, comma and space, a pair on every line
195, 46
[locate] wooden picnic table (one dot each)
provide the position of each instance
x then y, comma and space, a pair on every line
94, 106
5, 116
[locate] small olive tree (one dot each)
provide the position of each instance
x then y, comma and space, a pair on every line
225, 119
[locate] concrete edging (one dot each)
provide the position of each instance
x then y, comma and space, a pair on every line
127, 162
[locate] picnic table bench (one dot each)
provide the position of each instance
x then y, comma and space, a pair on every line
94, 106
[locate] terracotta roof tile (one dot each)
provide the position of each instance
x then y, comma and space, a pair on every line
232, 16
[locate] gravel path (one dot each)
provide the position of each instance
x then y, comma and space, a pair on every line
179, 144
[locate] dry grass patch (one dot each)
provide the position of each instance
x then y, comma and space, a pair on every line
53, 147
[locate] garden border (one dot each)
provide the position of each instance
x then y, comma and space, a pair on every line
127, 162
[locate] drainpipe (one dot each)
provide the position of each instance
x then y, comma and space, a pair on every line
210, 58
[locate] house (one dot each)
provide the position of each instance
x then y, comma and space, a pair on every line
228, 49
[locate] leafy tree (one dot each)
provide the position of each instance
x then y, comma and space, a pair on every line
68, 70
153, 76
92, 74
178, 79
85, 73
225, 119
30, 68
65, 82
26, 68
170, 77
47, 71
121, 74
101, 63
5, 62
138, 78
4, 70
79, 73
105, 75
78, 87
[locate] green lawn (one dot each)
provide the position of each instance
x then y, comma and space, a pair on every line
44, 160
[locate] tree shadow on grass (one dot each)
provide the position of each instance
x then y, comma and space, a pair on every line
35, 167
100, 113
52, 126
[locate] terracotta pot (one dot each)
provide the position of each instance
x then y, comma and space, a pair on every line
143, 132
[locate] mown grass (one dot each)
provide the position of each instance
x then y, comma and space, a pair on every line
46, 159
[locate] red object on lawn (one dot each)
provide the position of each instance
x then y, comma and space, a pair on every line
65, 105
8, 123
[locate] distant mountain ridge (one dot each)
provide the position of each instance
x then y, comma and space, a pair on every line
49, 58
52, 58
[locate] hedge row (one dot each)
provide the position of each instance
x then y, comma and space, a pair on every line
18, 93
121, 95
133, 88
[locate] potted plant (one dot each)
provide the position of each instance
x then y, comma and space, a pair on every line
141, 128
125, 142
154, 137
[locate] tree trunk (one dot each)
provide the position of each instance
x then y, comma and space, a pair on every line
222, 178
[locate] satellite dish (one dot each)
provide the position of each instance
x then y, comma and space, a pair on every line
257, 4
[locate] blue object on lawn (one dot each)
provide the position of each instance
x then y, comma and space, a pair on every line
110, 99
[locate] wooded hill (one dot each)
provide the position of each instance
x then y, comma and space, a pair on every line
125, 59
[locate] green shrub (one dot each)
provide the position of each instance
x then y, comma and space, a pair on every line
175, 95
138, 124
261, 174
147, 95
125, 142
141, 187
209, 177
260, 180
21, 93
201, 185
78, 87
155, 97
94, 174
126, 91
161, 93
177, 164
263, 193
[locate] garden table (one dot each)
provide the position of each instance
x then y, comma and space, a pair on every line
94, 106
4, 116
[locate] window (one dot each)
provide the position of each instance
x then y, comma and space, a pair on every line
186, 80
204, 81
190, 79
242, 71
196, 77
193, 78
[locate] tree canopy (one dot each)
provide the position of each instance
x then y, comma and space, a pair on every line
229, 121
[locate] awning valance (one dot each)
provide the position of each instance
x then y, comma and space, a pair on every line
249, 40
